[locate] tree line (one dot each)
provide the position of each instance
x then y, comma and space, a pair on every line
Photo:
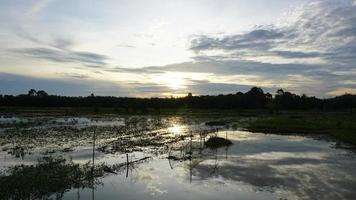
255, 98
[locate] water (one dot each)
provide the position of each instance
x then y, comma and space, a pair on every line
10, 120
255, 166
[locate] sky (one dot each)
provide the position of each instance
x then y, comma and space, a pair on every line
162, 48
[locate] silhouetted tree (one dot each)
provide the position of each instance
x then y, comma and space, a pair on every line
32, 92
42, 93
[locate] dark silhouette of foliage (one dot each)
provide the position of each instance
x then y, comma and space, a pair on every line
42, 93
32, 92
255, 98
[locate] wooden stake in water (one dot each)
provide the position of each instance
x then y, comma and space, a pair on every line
127, 165
227, 147
92, 169
93, 147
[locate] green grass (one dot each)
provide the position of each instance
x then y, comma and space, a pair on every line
340, 125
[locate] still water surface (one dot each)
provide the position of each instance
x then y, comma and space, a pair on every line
255, 166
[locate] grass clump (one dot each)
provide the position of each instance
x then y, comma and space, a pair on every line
216, 142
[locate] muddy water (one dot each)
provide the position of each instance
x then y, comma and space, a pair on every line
175, 164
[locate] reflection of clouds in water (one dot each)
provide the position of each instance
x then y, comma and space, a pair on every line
11, 119
154, 190
151, 179
285, 155
238, 135
146, 175
319, 182
246, 135
295, 138
309, 177
290, 167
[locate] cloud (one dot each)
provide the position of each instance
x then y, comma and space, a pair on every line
313, 51
17, 84
36, 9
126, 46
72, 84
52, 47
206, 87
74, 75
323, 29
229, 67
342, 90
315, 44
141, 70
62, 43
297, 54
154, 89
57, 55
230, 76
82, 84
258, 39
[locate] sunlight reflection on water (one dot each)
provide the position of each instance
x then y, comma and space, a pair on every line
177, 129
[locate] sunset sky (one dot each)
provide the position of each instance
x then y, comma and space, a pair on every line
166, 47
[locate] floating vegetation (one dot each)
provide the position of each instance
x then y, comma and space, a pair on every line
51, 135
62, 134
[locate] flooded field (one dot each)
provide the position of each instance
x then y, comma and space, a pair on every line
156, 157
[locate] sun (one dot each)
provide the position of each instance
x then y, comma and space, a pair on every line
173, 80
